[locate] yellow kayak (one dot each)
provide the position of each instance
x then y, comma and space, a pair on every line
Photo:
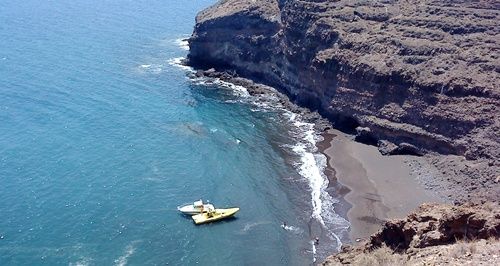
216, 215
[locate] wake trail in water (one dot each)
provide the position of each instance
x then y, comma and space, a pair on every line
293, 229
250, 226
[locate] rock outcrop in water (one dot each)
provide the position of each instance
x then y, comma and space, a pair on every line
413, 76
433, 235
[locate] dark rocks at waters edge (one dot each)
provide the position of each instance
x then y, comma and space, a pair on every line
320, 123
421, 77
435, 234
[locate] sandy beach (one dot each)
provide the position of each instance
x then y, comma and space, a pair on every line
377, 187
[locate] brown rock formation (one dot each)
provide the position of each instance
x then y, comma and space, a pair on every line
421, 75
436, 224
416, 239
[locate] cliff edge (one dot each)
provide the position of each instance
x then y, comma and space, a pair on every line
413, 77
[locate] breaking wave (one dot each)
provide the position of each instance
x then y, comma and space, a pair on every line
182, 43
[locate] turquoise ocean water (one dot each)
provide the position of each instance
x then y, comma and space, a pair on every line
102, 136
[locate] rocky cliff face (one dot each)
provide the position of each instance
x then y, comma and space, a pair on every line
434, 234
419, 76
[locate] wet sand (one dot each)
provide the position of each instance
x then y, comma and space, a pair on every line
376, 187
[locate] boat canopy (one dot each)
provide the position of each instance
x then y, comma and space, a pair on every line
198, 203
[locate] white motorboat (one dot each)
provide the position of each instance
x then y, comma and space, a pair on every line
195, 208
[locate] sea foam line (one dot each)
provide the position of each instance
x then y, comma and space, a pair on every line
178, 62
204, 81
182, 43
122, 261
309, 167
312, 168
82, 262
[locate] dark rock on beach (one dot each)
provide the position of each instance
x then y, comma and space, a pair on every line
421, 77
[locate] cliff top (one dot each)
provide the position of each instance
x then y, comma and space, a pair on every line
264, 9
452, 43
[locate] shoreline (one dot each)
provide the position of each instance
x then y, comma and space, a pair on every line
376, 187
335, 188
358, 181
317, 227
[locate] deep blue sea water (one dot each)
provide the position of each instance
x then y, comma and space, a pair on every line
102, 136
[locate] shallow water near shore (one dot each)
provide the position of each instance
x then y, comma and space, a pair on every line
102, 136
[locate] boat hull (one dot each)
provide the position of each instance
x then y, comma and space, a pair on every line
218, 215
191, 210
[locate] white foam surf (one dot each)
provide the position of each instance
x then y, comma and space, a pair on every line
82, 262
292, 229
182, 43
179, 62
129, 251
235, 89
313, 250
311, 167
150, 68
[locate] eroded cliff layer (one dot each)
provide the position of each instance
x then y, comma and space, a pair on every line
434, 234
418, 75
